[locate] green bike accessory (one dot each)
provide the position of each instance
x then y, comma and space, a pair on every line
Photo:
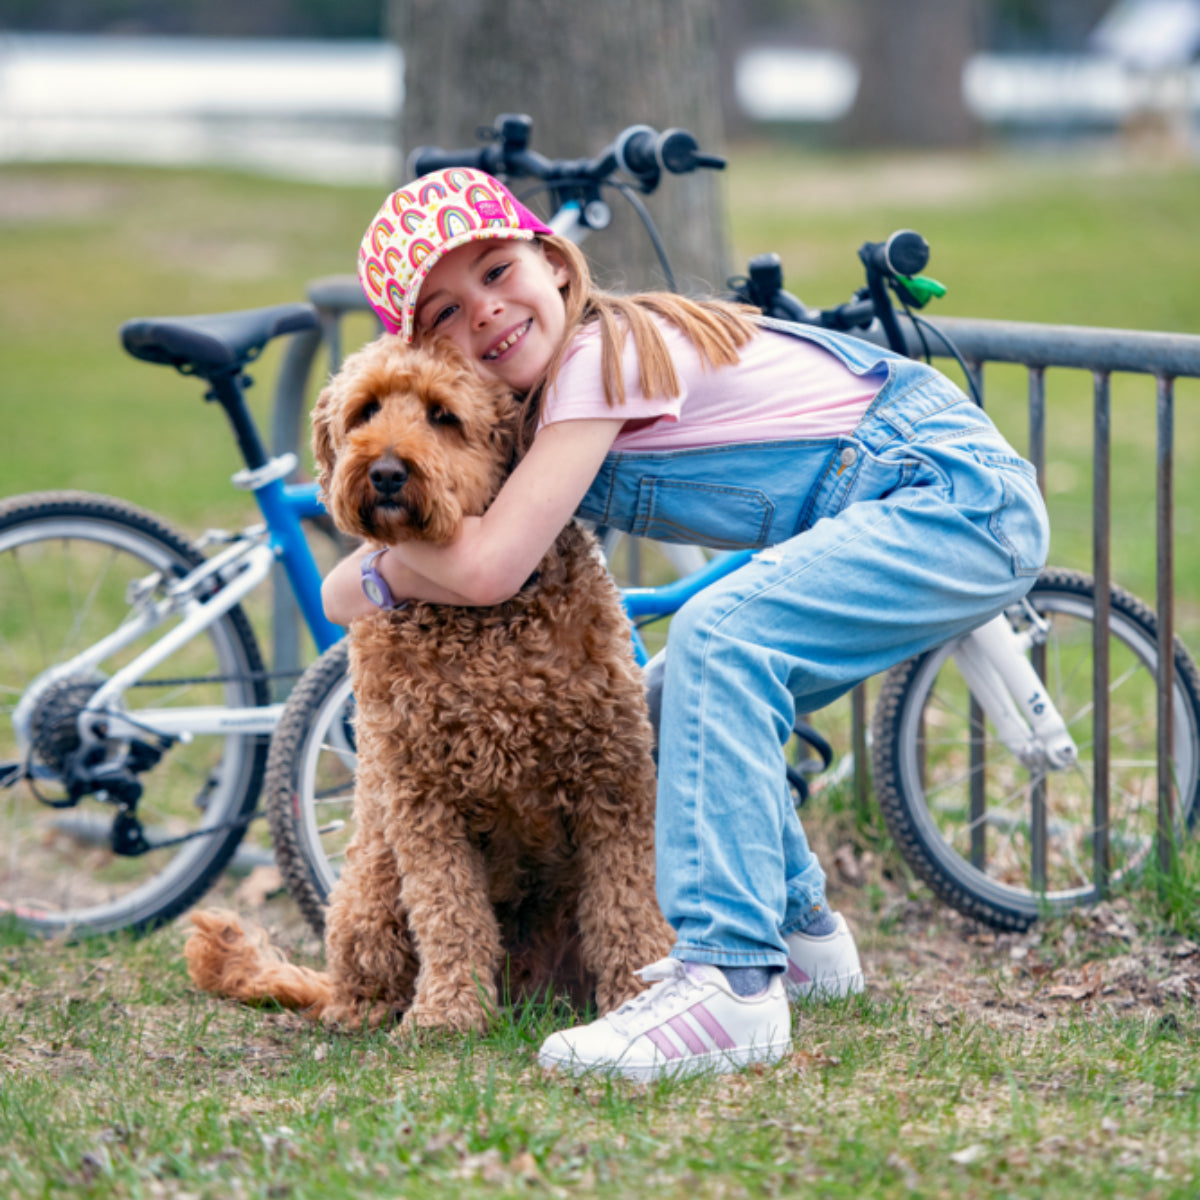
920, 289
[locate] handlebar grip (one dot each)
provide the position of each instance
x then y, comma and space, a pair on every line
906, 252
433, 158
642, 152
677, 151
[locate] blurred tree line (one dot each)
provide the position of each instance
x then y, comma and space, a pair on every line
209, 18
585, 71
999, 24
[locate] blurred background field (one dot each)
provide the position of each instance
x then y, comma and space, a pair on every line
1088, 237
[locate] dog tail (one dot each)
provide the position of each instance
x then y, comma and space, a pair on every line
228, 960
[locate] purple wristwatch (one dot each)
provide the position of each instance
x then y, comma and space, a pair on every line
374, 585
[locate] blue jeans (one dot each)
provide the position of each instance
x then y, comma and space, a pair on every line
919, 526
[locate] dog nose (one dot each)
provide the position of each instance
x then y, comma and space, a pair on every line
388, 475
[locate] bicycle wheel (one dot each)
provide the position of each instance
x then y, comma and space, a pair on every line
929, 747
310, 783
67, 563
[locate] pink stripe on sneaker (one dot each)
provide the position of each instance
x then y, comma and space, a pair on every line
795, 975
664, 1043
687, 1035
712, 1027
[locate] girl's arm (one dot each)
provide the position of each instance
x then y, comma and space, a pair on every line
341, 591
494, 555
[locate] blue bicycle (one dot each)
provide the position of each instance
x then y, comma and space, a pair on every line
135, 707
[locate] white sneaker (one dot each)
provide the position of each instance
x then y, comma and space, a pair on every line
689, 1021
823, 967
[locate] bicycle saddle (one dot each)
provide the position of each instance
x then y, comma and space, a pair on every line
215, 344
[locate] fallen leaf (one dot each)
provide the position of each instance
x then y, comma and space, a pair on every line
1071, 991
848, 865
1177, 985
969, 1154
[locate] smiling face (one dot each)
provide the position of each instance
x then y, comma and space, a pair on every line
499, 302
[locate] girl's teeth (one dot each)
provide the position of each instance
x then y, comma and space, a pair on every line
511, 340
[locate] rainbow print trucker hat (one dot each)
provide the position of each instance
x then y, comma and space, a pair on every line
423, 221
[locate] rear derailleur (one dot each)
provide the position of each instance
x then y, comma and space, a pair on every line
103, 769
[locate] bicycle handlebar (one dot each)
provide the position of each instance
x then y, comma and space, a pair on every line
893, 263
639, 151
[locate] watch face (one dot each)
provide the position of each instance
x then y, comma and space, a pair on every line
374, 592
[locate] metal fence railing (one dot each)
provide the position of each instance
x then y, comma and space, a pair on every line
1103, 353
1038, 348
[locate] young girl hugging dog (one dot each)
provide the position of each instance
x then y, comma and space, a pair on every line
889, 513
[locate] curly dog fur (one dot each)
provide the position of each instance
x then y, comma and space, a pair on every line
504, 797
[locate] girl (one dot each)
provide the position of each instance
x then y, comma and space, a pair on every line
890, 513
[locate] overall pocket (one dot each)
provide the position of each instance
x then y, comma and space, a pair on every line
716, 515
1020, 522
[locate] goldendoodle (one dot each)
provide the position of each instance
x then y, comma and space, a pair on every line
504, 797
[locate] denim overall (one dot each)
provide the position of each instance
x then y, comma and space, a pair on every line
919, 526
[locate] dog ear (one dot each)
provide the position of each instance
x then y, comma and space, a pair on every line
322, 436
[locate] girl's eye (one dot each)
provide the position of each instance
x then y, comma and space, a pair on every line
368, 410
440, 415
495, 272
446, 312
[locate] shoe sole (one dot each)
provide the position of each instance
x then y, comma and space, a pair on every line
829, 987
717, 1062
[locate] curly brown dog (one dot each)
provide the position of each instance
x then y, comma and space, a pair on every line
504, 797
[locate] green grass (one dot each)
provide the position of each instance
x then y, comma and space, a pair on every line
120, 1081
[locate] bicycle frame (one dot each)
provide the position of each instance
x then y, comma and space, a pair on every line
240, 568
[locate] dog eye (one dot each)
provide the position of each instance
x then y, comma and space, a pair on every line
440, 415
365, 413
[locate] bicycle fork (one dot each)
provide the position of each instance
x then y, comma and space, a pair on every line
993, 660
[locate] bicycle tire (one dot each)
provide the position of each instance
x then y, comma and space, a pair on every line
67, 560
309, 788
922, 764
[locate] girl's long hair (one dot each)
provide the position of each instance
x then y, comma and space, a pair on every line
717, 329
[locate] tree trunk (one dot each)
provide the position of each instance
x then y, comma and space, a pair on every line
910, 58
583, 73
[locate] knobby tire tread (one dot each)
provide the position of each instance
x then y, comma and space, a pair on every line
282, 789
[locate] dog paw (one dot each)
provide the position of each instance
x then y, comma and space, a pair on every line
464, 1017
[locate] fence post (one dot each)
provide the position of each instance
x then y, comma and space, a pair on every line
1102, 577
1164, 599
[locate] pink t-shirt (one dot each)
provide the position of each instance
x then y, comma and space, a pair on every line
783, 389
